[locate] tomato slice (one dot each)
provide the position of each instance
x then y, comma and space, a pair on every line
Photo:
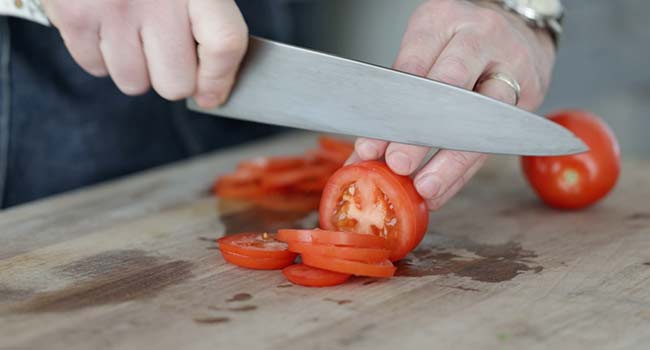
288, 202
369, 255
294, 176
317, 236
270, 164
261, 245
230, 190
340, 146
380, 269
313, 277
368, 198
257, 263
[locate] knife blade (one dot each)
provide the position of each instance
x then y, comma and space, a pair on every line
290, 86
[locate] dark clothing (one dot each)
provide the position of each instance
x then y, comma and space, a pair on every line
61, 128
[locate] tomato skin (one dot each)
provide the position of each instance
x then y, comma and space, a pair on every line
577, 181
261, 245
313, 277
257, 263
368, 255
410, 209
316, 236
382, 269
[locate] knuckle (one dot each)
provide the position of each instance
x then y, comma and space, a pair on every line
452, 70
77, 19
460, 159
228, 44
492, 21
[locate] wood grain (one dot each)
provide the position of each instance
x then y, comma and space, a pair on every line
131, 265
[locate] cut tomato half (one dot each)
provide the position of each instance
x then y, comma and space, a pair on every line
369, 255
257, 263
369, 198
317, 236
313, 277
261, 245
381, 269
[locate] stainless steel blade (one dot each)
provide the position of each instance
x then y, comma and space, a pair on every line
290, 86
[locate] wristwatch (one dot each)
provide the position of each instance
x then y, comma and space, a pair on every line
28, 9
542, 14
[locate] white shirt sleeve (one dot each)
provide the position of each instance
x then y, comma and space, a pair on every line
27, 9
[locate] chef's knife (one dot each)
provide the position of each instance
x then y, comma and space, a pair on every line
285, 85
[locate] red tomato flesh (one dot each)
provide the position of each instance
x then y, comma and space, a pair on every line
382, 269
262, 245
257, 263
369, 255
332, 237
368, 198
313, 277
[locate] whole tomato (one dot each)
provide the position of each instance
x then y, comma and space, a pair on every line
577, 181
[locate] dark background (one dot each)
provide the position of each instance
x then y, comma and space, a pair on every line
603, 63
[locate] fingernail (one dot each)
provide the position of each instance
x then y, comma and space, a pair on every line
366, 150
208, 100
399, 162
428, 186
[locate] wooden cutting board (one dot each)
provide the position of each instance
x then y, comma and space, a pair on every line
132, 264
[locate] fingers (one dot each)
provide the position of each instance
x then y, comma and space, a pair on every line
404, 159
81, 36
222, 37
436, 178
123, 53
498, 90
170, 50
461, 62
420, 45
437, 202
369, 149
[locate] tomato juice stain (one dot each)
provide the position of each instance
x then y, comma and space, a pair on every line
257, 219
240, 297
212, 320
107, 278
338, 302
440, 255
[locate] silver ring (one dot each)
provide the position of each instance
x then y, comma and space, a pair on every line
506, 79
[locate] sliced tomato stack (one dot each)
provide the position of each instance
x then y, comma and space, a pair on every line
292, 183
369, 217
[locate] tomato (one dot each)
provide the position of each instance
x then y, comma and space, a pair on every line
262, 245
369, 198
270, 164
380, 269
348, 253
332, 237
313, 277
339, 146
577, 181
257, 263
295, 176
288, 202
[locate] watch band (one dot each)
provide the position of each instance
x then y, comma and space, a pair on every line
550, 24
28, 9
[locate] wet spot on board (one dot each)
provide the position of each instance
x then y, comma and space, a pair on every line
284, 285
212, 320
240, 297
10, 294
256, 219
108, 278
339, 302
369, 282
645, 263
466, 289
245, 308
638, 216
441, 255
208, 239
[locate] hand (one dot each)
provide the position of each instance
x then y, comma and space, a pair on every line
180, 47
458, 42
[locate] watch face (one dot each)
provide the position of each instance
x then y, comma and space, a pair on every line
545, 8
